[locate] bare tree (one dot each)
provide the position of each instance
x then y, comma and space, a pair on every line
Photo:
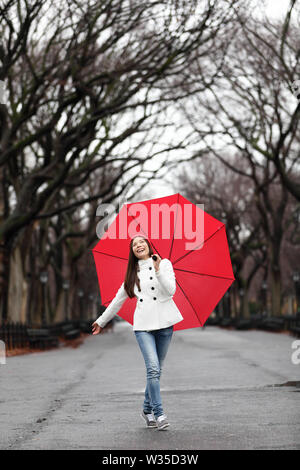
250, 110
85, 95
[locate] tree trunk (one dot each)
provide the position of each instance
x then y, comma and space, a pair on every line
275, 273
17, 288
5, 249
275, 279
244, 309
59, 315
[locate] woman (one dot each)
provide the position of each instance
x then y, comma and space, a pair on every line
153, 283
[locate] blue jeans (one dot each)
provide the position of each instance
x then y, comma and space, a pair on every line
154, 346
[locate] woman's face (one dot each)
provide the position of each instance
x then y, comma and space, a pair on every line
140, 248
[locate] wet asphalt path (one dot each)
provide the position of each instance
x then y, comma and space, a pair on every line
221, 389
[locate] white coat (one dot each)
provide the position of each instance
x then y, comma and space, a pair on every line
155, 308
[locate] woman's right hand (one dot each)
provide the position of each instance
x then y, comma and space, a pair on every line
96, 329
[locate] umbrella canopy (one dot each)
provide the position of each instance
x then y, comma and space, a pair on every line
194, 241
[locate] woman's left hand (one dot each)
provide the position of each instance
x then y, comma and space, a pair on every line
157, 262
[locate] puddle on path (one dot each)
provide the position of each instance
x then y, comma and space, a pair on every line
290, 383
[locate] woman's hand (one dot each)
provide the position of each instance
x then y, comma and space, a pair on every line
157, 262
96, 329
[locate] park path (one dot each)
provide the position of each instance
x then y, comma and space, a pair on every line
221, 389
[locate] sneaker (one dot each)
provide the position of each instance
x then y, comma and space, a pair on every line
150, 421
162, 422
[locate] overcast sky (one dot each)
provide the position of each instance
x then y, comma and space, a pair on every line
276, 7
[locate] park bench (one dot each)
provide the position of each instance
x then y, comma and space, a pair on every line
85, 326
244, 324
227, 322
272, 324
41, 338
212, 321
295, 330
256, 320
55, 328
294, 325
70, 332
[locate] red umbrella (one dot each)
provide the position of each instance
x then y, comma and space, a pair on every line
194, 241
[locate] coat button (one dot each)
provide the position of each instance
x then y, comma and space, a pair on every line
152, 288
151, 277
154, 298
150, 268
141, 300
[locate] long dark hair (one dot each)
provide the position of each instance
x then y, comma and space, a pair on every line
131, 277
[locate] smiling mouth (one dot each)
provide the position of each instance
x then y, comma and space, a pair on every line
140, 251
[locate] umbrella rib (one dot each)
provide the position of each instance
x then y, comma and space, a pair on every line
204, 274
113, 256
189, 302
192, 251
